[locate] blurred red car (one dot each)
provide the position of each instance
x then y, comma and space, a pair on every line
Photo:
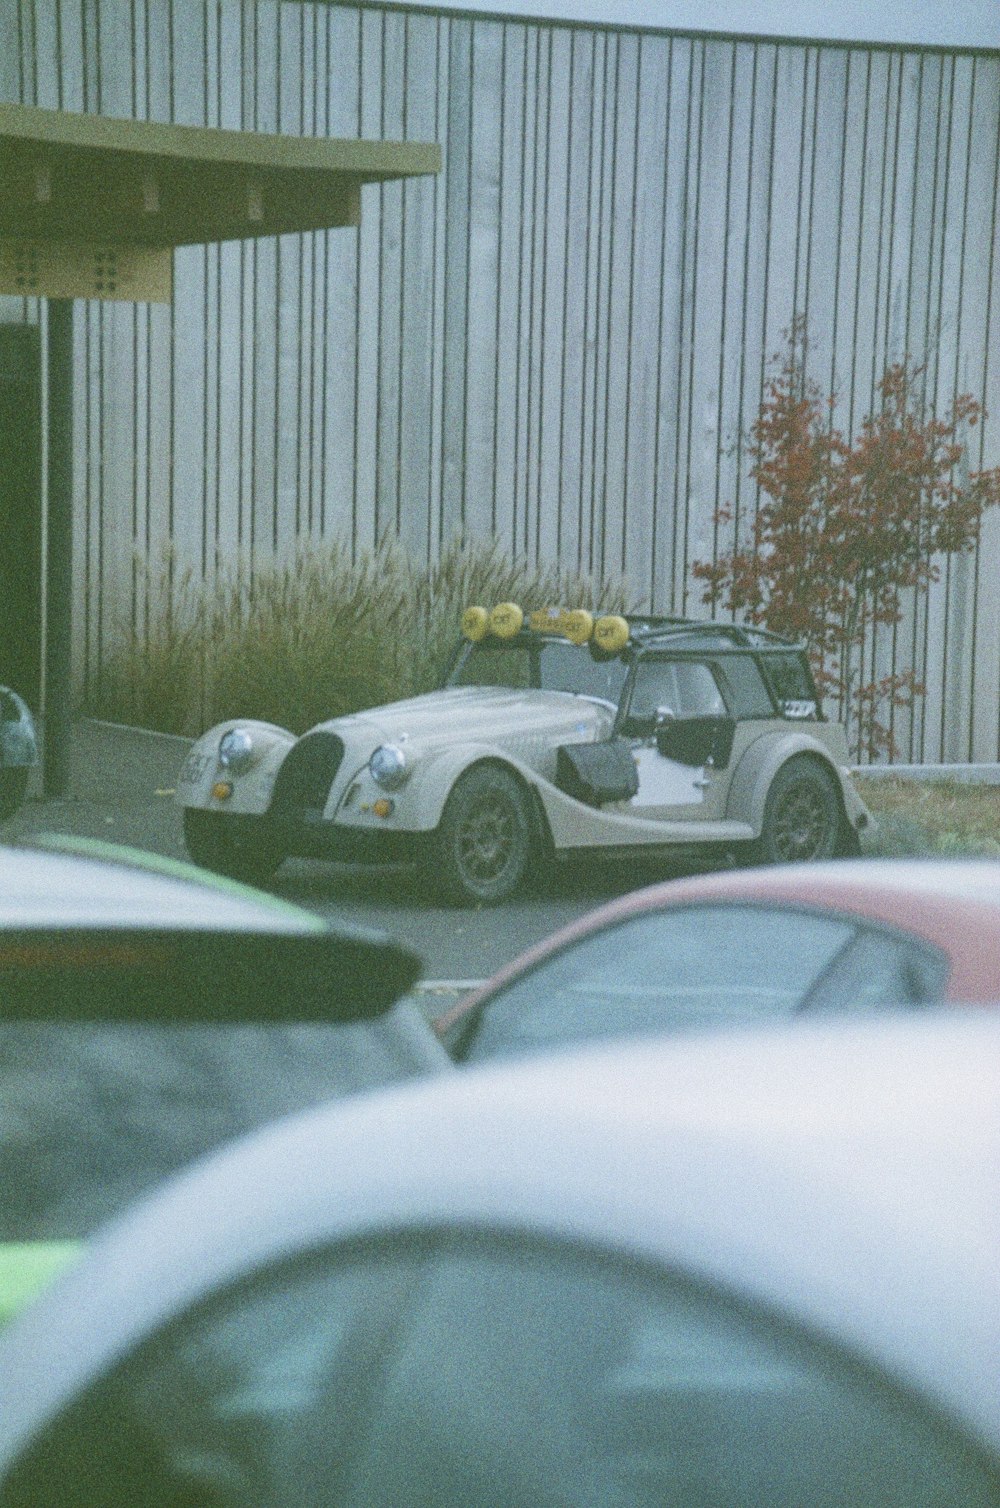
742, 946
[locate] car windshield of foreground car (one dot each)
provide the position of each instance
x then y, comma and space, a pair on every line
126, 1053
696, 966
92, 1115
542, 664
491, 1369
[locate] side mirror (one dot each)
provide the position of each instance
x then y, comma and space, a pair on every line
696, 741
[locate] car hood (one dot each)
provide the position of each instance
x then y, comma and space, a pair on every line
471, 713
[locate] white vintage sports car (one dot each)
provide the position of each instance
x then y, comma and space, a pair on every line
551, 734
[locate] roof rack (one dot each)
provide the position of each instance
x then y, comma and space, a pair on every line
647, 629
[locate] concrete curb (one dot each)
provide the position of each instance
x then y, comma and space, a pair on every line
964, 774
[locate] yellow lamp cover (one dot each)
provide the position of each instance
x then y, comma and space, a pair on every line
506, 620
611, 633
475, 623
578, 625
575, 624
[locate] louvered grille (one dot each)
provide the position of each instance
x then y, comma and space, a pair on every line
304, 779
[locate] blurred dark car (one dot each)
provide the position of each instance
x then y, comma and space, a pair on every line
729, 1271
18, 750
746, 946
149, 1012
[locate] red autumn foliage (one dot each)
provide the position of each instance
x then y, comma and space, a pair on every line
845, 527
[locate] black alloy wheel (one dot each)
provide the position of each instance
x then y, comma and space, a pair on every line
802, 816
483, 845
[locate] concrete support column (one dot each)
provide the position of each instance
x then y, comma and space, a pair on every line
59, 549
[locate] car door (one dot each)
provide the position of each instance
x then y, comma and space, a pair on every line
675, 690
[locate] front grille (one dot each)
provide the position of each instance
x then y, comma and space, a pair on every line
306, 774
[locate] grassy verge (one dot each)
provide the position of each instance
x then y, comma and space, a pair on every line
933, 817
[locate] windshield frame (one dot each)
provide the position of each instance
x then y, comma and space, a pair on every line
535, 644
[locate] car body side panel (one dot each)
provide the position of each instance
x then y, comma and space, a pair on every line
575, 825
572, 823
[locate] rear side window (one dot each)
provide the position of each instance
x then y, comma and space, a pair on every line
790, 677
498, 1370
746, 690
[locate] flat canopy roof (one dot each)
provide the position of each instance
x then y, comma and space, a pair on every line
142, 183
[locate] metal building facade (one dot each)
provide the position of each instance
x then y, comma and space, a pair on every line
559, 341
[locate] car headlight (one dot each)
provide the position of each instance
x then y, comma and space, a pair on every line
387, 766
236, 750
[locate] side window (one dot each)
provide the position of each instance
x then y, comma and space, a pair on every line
499, 1370
664, 971
698, 692
792, 684
747, 692
687, 688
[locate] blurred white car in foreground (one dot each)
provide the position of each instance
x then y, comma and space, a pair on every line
757, 1268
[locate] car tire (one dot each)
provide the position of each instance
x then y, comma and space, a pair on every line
484, 842
802, 815
13, 785
238, 848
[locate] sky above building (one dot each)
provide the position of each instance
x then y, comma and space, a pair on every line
933, 23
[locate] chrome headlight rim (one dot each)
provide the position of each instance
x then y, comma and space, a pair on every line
387, 766
236, 750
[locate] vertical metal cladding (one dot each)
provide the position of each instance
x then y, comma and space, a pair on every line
563, 339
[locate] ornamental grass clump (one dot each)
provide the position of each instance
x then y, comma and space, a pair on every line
154, 676
318, 637
846, 527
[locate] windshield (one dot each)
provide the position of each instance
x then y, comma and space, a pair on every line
92, 1114
542, 664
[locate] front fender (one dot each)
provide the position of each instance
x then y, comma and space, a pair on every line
763, 759
252, 788
420, 803
18, 739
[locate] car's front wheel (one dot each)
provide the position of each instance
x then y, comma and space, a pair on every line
802, 816
13, 785
238, 847
483, 845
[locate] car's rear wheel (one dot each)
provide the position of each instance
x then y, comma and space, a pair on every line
240, 848
13, 785
802, 816
483, 845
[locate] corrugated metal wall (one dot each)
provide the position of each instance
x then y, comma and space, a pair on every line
561, 339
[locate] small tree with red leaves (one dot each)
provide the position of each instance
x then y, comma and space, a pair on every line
845, 527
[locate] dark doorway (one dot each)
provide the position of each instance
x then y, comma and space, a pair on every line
21, 511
